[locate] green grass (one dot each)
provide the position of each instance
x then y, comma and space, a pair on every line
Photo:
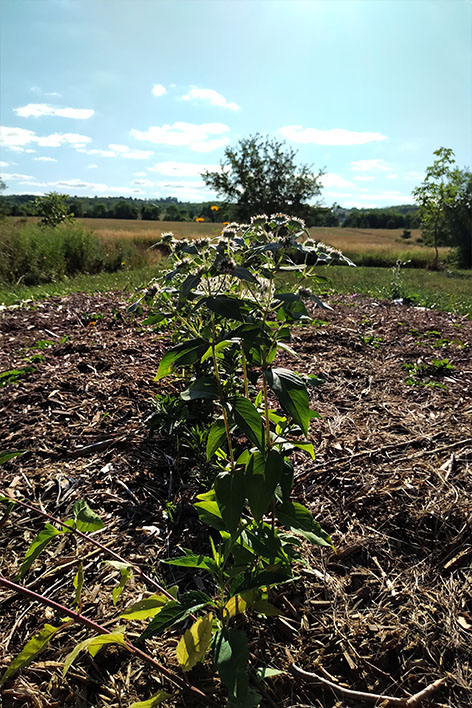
437, 290
427, 288
100, 283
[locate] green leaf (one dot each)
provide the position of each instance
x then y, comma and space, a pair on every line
247, 418
291, 394
152, 702
243, 274
228, 307
192, 561
125, 574
286, 480
265, 672
224, 344
209, 512
183, 354
193, 646
190, 282
298, 518
93, 644
30, 651
230, 497
175, 612
205, 387
264, 607
144, 609
38, 544
216, 437
78, 583
86, 520
7, 455
262, 477
230, 656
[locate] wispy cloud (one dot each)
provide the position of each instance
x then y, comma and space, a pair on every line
371, 166
143, 182
364, 178
36, 110
196, 137
210, 96
17, 138
45, 159
158, 90
38, 89
181, 169
3, 164
14, 177
334, 136
185, 190
115, 150
93, 167
72, 185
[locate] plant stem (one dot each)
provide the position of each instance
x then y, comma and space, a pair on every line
95, 543
220, 391
81, 619
246, 382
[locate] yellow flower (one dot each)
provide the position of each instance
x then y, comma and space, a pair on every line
214, 208
225, 223
199, 219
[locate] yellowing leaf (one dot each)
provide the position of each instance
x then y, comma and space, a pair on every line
31, 649
236, 605
153, 701
93, 644
194, 643
149, 607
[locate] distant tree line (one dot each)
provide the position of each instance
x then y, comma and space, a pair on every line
171, 209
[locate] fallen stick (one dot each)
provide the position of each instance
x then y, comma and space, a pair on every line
411, 702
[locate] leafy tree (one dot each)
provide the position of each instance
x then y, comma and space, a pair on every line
53, 209
459, 219
125, 210
436, 196
150, 212
260, 176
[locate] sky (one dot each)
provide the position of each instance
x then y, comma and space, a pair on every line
137, 97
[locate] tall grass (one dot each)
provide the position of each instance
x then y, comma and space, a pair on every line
31, 254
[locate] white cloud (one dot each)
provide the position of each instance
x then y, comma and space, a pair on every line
17, 138
3, 164
330, 179
370, 166
93, 167
210, 96
337, 195
143, 182
139, 174
115, 150
196, 137
37, 89
185, 190
45, 159
392, 176
388, 197
334, 136
15, 177
414, 175
364, 178
158, 90
36, 110
181, 169
72, 185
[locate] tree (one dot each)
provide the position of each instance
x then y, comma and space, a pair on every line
459, 219
260, 176
125, 210
436, 196
53, 209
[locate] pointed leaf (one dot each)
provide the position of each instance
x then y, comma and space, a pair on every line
228, 307
7, 455
86, 519
209, 512
38, 544
183, 354
298, 518
78, 583
205, 387
243, 274
175, 612
291, 393
193, 646
262, 477
216, 437
230, 656
230, 497
190, 282
93, 644
192, 561
30, 651
144, 609
152, 702
247, 418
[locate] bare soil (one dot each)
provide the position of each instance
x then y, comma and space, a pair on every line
389, 613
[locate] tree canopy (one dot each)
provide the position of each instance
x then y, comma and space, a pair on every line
260, 175
445, 204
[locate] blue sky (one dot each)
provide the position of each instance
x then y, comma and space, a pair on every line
136, 97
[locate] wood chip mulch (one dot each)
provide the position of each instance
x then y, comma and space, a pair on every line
389, 613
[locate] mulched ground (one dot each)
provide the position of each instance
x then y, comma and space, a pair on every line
390, 613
